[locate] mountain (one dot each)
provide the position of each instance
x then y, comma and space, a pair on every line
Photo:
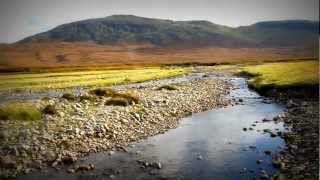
283, 33
128, 29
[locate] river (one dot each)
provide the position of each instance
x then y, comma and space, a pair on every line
207, 145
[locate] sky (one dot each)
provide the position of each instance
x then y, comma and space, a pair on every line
22, 18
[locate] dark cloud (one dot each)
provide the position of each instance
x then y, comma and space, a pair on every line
21, 18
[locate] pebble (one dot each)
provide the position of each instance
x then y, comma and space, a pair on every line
199, 157
267, 152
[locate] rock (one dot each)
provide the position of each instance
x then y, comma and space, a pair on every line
291, 104
54, 164
4, 134
244, 129
112, 176
7, 162
137, 116
267, 152
110, 153
50, 109
50, 156
259, 161
273, 135
157, 165
85, 167
69, 159
276, 163
264, 175
199, 157
279, 133
266, 120
36, 164
267, 130
70, 170
61, 114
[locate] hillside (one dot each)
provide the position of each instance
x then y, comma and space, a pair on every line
128, 29
58, 54
124, 39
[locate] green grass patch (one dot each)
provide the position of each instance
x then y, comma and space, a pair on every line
19, 111
283, 75
86, 78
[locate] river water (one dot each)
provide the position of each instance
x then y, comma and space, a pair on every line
207, 145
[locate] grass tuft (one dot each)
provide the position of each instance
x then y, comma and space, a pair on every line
49, 109
130, 96
123, 99
169, 87
69, 97
19, 111
117, 101
102, 92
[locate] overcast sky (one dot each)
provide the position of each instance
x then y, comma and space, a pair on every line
21, 18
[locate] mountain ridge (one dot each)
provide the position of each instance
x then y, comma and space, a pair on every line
130, 29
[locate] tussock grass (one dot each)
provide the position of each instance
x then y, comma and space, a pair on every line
49, 109
102, 92
69, 97
19, 111
283, 75
117, 101
168, 87
130, 96
123, 99
87, 97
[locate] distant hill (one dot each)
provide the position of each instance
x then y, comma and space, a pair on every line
128, 29
130, 40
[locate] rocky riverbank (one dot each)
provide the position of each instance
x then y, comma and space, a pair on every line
300, 160
81, 127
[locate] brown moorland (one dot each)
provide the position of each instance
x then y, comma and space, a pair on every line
64, 54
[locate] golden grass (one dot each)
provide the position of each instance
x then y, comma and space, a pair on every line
19, 111
283, 75
56, 80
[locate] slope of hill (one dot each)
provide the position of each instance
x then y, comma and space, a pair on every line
65, 54
126, 39
283, 33
119, 29
133, 29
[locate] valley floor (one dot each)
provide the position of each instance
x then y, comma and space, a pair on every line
81, 127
